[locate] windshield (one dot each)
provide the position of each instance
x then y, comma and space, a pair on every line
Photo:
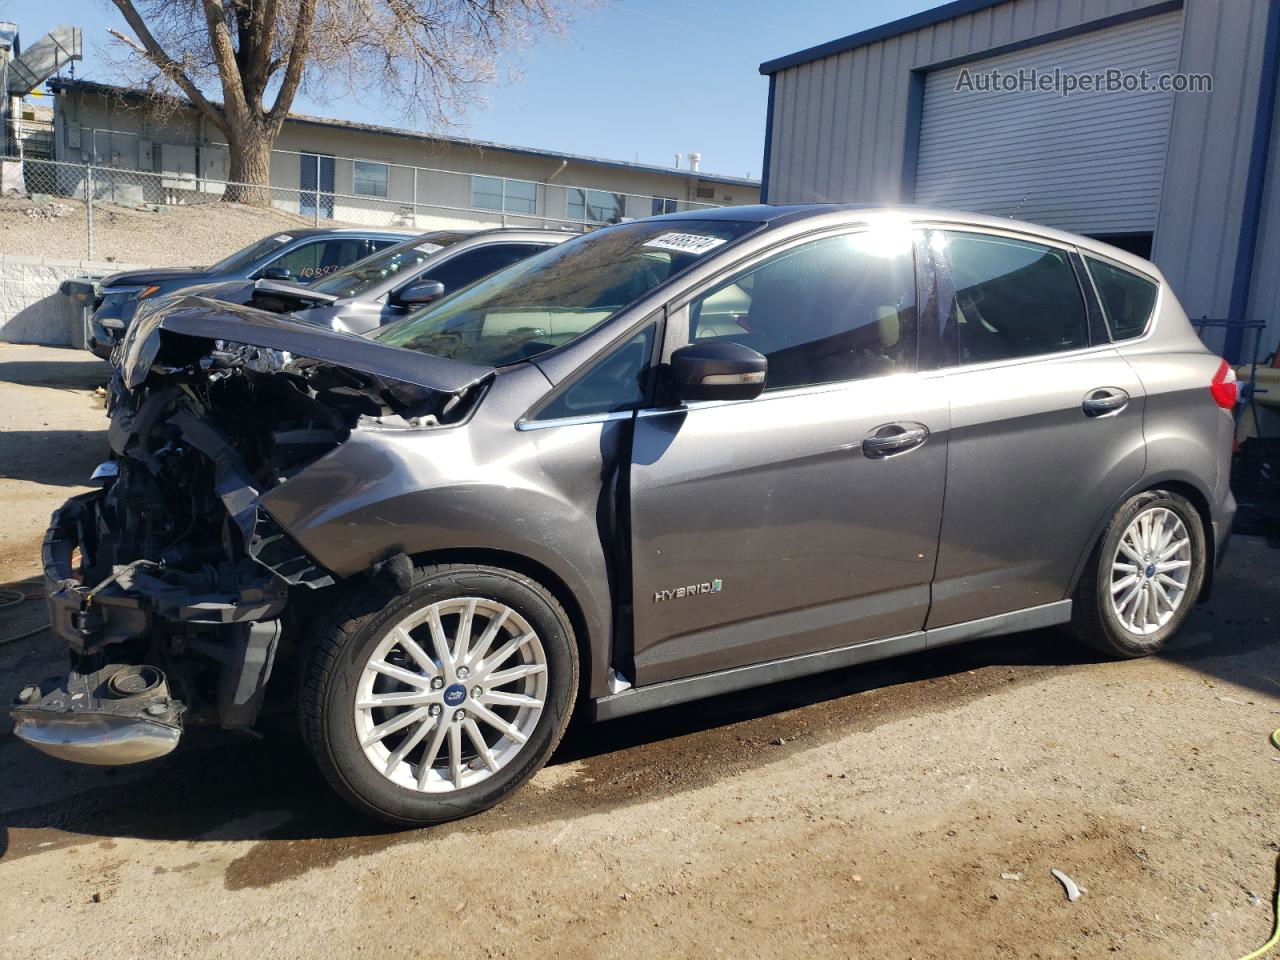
242, 258
560, 294
353, 280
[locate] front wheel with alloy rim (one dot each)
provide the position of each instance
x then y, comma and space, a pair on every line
438, 703
1143, 577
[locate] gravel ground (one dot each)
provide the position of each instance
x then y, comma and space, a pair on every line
907, 809
176, 236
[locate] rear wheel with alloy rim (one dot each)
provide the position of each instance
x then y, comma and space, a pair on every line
1143, 577
438, 703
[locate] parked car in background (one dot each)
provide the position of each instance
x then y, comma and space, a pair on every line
384, 287
302, 256
671, 458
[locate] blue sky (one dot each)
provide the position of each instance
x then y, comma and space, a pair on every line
630, 81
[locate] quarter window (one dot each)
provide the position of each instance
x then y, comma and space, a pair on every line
1127, 298
842, 308
369, 179
1011, 299
615, 383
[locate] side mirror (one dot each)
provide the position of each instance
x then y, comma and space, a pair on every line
274, 273
716, 371
424, 291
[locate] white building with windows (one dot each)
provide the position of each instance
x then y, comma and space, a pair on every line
361, 173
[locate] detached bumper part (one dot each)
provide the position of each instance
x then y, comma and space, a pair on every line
119, 714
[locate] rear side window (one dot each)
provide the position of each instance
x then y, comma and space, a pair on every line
1011, 299
1127, 298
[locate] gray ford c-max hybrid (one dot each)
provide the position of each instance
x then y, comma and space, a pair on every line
671, 458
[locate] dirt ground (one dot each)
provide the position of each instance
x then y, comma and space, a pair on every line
908, 809
175, 236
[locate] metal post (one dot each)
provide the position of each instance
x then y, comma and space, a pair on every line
317, 204
415, 197
88, 202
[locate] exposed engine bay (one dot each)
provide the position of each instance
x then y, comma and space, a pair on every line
173, 588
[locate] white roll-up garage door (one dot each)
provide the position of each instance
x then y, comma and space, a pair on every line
1091, 162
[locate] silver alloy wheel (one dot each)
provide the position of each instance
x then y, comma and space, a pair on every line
451, 694
1150, 570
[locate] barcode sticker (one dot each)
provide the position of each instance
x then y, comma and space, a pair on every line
685, 243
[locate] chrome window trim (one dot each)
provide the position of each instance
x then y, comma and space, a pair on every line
523, 425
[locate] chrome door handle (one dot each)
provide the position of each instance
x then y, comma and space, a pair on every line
1104, 401
894, 438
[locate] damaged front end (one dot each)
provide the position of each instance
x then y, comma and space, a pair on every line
176, 592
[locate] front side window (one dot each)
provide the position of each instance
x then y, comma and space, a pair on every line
613, 384
369, 179
594, 206
842, 308
1011, 299
470, 265
1127, 298
363, 275
511, 196
320, 258
556, 296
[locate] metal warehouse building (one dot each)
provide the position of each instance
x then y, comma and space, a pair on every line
908, 113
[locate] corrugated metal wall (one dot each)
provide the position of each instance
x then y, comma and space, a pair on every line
840, 125
1092, 162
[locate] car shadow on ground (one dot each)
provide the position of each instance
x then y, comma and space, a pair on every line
220, 787
83, 374
62, 458
217, 787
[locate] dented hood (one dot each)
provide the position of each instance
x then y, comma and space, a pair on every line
192, 316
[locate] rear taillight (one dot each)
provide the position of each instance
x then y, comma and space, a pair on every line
1225, 389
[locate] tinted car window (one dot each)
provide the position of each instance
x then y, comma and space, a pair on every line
1127, 298
843, 308
1012, 299
614, 383
321, 258
559, 294
355, 279
471, 265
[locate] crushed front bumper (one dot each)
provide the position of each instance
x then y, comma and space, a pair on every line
128, 604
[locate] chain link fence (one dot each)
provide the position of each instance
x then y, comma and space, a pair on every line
162, 218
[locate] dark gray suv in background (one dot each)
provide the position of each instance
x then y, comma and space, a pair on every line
669, 459
301, 256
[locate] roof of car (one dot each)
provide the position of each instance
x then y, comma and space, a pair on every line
297, 232
836, 213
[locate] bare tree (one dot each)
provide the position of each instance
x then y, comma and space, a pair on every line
430, 57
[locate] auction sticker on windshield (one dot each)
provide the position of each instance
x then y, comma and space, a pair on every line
685, 242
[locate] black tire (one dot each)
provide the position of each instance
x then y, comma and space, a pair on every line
346, 637
1093, 618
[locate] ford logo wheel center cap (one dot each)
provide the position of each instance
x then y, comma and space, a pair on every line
454, 694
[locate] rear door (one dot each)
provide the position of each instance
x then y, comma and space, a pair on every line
1046, 423
807, 518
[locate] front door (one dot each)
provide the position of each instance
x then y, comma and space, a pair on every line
808, 518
